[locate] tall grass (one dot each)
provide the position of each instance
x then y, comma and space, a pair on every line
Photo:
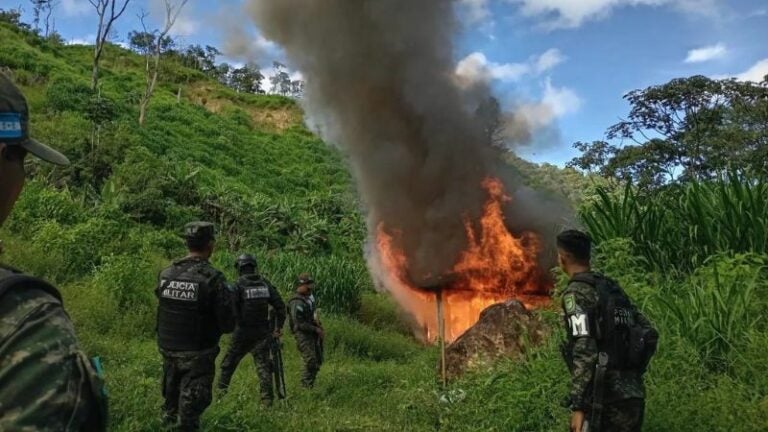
679, 227
719, 307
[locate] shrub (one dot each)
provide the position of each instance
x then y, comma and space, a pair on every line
718, 308
65, 93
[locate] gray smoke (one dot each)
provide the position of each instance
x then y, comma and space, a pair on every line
380, 84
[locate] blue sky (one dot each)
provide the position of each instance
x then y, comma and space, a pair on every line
561, 65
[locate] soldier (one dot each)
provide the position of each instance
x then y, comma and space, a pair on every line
609, 344
195, 308
306, 328
46, 382
253, 333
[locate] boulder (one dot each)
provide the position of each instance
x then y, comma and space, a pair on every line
504, 330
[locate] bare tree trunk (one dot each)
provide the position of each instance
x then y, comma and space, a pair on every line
172, 12
108, 13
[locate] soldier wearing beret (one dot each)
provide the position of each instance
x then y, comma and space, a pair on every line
46, 382
195, 307
306, 328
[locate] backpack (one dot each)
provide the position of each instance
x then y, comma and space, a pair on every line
623, 332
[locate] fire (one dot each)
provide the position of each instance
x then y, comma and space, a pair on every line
495, 266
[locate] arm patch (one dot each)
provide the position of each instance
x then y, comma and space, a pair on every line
577, 318
579, 324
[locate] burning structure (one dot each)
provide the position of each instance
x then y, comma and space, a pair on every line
440, 204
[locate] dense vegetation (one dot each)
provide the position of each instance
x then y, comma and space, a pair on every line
693, 254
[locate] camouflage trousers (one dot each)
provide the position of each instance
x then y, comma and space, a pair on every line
623, 416
307, 344
187, 386
257, 343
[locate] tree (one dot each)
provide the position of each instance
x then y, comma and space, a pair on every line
202, 59
693, 127
281, 80
108, 12
13, 17
172, 11
222, 73
246, 79
43, 9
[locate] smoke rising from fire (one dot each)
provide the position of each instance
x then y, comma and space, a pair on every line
380, 84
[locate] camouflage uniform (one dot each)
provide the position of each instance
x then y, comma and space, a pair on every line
624, 391
187, 382
195, 308
254, 335
46, 382
304, 327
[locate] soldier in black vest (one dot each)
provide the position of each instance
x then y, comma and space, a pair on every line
254, 332
195, 308
306, 328
46, 382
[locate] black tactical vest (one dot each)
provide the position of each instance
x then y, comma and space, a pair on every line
186, 318
305, 316
254, 300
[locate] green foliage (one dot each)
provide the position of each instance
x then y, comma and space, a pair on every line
719, 306
67, 94
673, 228
700, 128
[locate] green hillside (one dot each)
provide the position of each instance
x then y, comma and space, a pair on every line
102, 228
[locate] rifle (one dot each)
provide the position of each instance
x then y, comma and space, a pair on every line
319, 348
278, 371
597, 395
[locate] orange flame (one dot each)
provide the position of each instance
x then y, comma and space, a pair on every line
496, 266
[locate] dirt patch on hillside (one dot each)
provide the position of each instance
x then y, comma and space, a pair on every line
271, 119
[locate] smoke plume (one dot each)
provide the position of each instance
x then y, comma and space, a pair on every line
380, 84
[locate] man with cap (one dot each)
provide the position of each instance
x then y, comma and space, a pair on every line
46, 381
306, 328
195, 308
254, 332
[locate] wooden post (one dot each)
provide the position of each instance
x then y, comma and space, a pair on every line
441, 334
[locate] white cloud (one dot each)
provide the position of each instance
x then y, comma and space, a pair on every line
530, 118
85, 40
476, 10
476, 67
561, 100
76, 7
548, 60
265, 45
185, 26
573, 13
756, 73
706, 53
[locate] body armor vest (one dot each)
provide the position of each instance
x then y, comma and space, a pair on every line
306, 316
186, 320
254, 300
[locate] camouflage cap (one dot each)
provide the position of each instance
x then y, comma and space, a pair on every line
14, 124
199, 231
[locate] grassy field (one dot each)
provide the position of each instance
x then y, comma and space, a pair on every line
102, 228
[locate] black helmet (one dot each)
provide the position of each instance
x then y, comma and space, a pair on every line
245, 260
